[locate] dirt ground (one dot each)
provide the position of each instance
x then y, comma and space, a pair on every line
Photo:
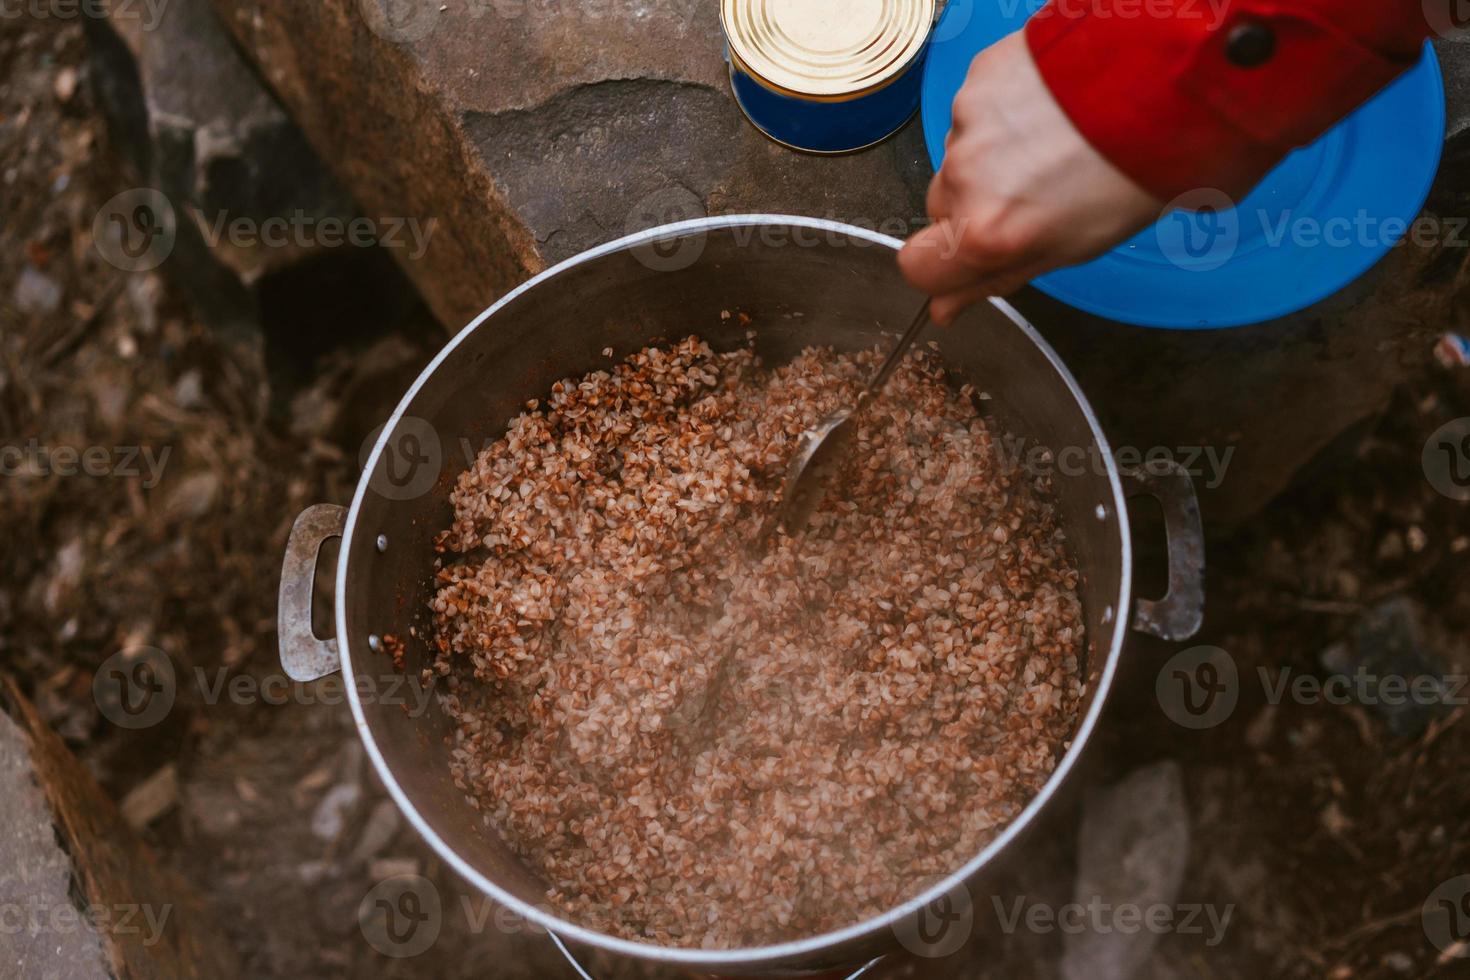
1328, 826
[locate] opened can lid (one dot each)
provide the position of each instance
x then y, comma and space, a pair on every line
826, 48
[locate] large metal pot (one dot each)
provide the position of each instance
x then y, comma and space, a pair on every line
800, 281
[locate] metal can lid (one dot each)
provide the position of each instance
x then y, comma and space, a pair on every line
826, 48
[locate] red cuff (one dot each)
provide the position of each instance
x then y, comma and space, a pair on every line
1183, 94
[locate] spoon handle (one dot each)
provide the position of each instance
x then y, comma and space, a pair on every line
895, 357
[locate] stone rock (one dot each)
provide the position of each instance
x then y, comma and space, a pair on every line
377, 833
214, 808
36, 292
1387, 665
200, 126
1132, 853
84, 898
258, 235
389, 867
152, 798
1399, 962
193, 496
336, 807
38, 875
1456, 63
529, 131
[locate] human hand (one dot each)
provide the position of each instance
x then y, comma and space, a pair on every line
1020, 192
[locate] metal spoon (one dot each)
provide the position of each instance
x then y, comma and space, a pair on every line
824, 444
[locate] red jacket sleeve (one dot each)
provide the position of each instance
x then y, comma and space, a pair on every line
1183, 94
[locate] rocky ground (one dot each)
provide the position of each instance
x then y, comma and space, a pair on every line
1324, 827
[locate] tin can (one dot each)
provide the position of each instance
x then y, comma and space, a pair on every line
827, 76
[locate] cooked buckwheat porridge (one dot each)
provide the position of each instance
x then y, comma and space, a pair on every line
701, 740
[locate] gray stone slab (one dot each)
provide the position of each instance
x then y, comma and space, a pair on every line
44, 934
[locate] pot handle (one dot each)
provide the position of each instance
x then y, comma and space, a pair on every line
303, 656
1180, 613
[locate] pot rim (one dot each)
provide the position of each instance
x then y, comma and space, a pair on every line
750, 956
